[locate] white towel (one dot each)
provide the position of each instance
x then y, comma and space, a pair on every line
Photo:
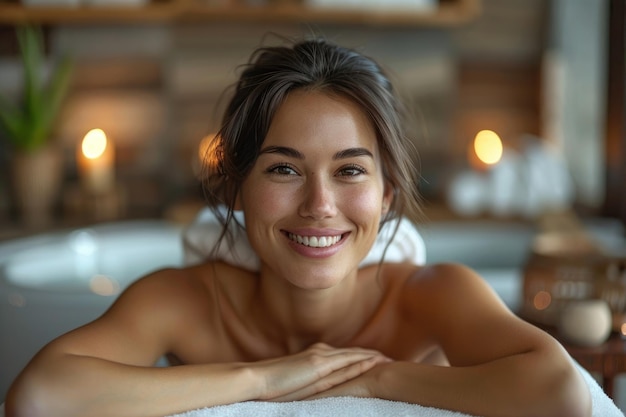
201, 235
334, 406
603, 406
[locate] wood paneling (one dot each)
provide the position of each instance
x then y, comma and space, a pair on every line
615, 196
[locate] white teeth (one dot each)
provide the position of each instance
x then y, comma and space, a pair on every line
315, 241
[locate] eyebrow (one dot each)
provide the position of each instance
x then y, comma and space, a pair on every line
293, 153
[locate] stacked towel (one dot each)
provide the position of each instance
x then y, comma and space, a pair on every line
201, 235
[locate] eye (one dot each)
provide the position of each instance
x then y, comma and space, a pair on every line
352, 171
281, 169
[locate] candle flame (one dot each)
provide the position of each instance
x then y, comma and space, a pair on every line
94, 144
488, 147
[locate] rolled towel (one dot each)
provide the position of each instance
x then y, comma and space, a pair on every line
200, 237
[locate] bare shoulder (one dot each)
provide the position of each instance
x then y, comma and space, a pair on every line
149, 319
465, 315
176, 300
450, 282
441, 281
180, 289
160, 297
439, 291
164, 287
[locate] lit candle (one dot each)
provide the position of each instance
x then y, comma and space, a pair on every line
95, 162
486, 149
471, 191
503, 170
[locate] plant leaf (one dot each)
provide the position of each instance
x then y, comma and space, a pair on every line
29, 124
53, 96
30, 39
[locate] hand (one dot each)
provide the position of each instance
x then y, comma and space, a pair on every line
364, 386
314, 370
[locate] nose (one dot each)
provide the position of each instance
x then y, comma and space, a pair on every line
318, 200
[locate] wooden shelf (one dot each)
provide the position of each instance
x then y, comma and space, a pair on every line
448, 13
151, 13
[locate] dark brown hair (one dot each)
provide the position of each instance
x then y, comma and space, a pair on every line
317, 64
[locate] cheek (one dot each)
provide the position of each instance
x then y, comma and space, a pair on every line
366, 202
264, 200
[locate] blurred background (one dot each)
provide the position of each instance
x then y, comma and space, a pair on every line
151, 75
516, 108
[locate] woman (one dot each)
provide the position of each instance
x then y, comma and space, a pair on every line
312, 151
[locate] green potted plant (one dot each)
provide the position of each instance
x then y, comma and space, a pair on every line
28, 126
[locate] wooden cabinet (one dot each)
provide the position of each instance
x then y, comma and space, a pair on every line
447, 13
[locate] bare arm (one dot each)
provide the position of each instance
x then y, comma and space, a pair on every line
500, 365
58, 384
105, 368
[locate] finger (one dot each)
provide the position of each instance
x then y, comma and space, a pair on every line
326, 362
287, 375
324, 349
331, 380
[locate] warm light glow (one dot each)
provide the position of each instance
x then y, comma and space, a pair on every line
95, 159
94, 144
542, 300
206, 151
623, 329
488, 147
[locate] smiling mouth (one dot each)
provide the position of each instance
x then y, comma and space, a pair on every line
314, 241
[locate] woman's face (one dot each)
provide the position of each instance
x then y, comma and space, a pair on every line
314, 198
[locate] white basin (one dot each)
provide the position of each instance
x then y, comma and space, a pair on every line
478, 244
52, 283
79, 260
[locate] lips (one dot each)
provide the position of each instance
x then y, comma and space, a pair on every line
314, 241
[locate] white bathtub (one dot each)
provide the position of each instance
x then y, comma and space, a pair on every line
497, 250
52, 283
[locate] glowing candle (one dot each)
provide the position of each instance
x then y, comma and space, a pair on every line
486, 149
96, 162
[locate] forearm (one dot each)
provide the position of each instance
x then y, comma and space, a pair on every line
520, 385
59, 384
84, 386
